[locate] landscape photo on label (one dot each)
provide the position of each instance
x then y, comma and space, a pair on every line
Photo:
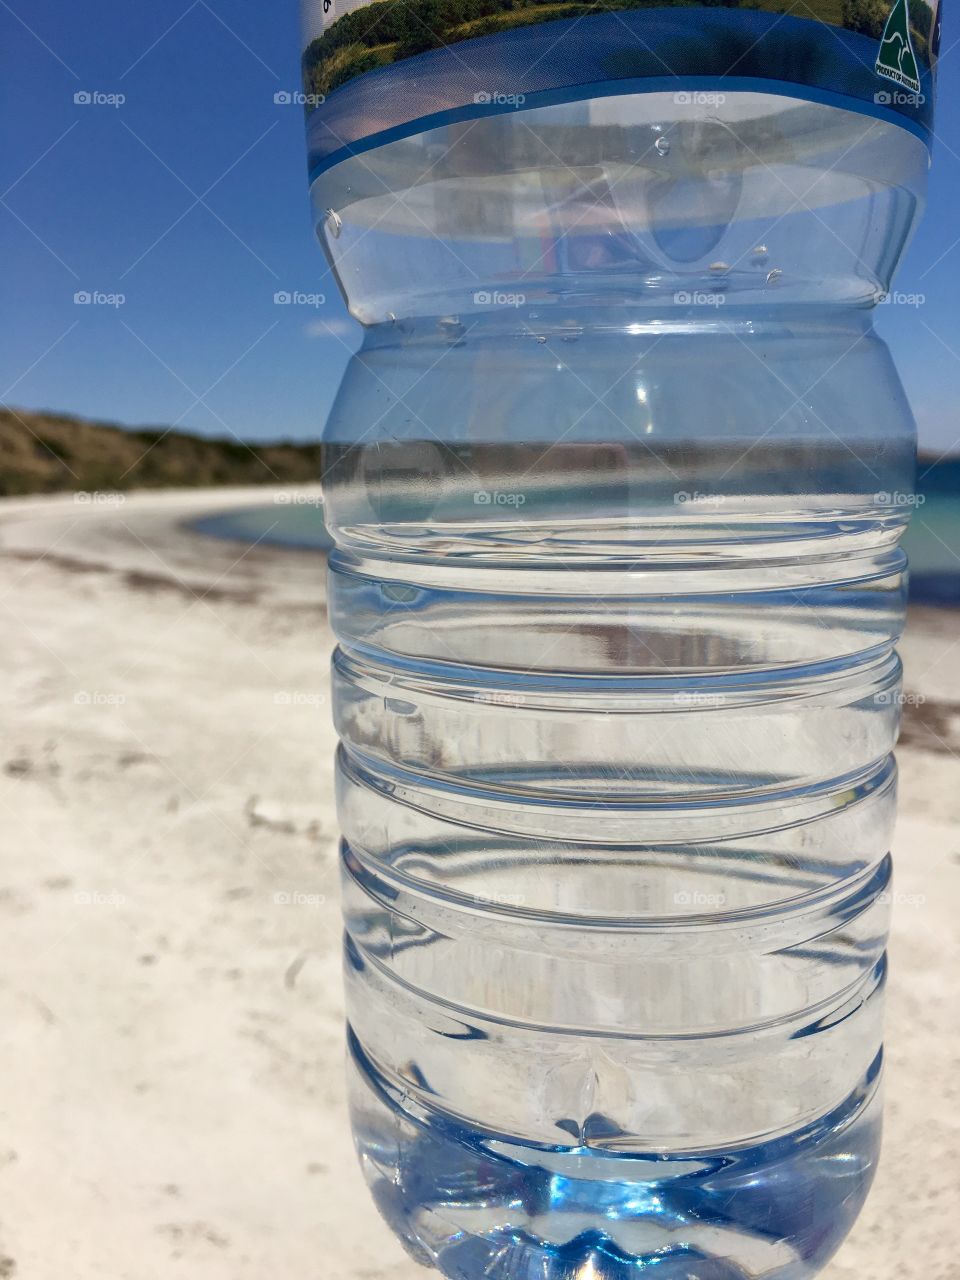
345, 38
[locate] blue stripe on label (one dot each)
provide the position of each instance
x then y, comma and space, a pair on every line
605, 54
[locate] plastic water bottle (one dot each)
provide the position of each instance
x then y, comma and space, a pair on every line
616, 482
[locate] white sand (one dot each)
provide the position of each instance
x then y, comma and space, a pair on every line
172, 1097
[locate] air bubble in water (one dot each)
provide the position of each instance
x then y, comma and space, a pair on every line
774, 275
334, 224
662, 146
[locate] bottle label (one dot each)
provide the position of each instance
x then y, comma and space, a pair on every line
378, 70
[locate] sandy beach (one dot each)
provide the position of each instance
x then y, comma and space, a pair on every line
169, 951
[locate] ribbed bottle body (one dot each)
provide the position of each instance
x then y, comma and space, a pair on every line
617, 589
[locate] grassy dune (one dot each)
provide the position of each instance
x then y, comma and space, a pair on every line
53, 453
386, 31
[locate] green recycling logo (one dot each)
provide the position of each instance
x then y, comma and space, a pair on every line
896, 59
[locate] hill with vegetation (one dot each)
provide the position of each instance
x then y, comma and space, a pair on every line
380, 32
56, 453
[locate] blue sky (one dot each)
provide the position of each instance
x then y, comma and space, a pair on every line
190, 200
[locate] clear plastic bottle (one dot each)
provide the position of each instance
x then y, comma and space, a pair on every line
616, 482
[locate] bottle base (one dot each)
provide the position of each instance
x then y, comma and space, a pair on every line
473, 1205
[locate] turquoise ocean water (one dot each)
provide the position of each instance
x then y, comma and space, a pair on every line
933, 538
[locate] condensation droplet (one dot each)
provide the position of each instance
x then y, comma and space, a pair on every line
334, 224
760, 251
662, 146
451, 328
718, 268
774, 275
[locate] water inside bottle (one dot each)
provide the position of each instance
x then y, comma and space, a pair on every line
613, 481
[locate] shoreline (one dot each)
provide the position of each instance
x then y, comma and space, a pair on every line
174, 1093
164, 545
